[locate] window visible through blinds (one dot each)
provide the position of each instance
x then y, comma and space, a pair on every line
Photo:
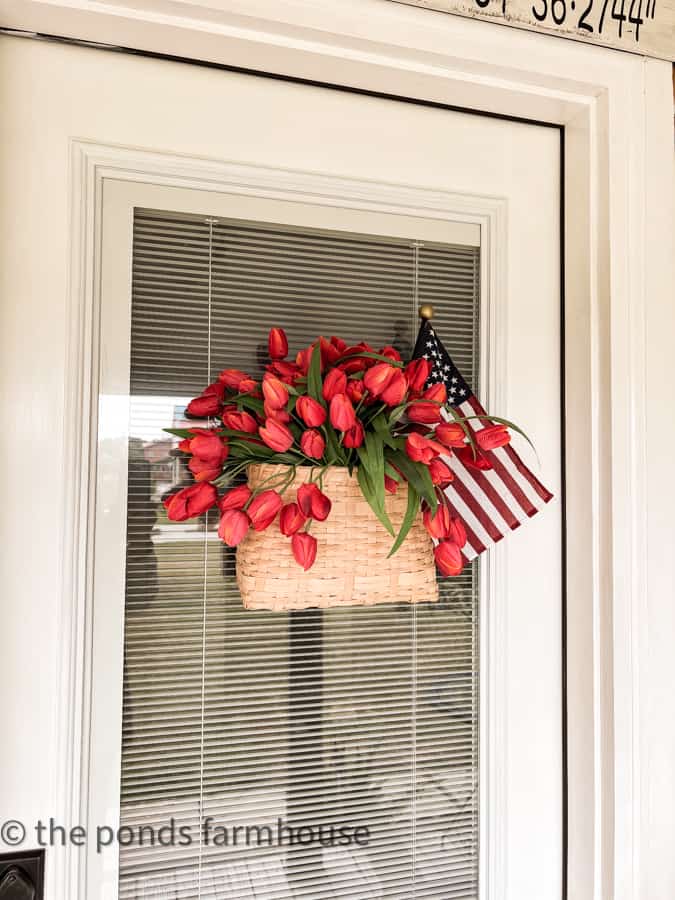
358, 717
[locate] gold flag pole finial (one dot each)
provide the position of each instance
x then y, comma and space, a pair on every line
426, 311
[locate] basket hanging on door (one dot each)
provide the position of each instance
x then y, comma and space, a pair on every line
348, 456
352, 565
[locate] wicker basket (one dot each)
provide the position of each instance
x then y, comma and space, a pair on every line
351, 567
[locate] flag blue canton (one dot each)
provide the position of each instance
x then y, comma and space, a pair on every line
443, 370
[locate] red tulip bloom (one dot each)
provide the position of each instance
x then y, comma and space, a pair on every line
417, 372
440, 472
303, 359
339, 344
448, 558
421, 449
342, 415
204, 406
239, 421
277, 343
390, 485
355, 390
247, 385
203, 470
334, 383
263, 509
378, 378
313, 503
285, 371
310, 411
278, 415
234, 524
457, 532
424, 412
209, 447
291, 519
191, 501
479, 461
395, 390
276, 435
312, 443
232, 378
217, 388
329, 353
354, 436
438, 524
451, 434
391, 352
303, 546
274, 391
237, 498
492, 436
437, 392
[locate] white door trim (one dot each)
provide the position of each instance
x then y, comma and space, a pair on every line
616, 112
94, 165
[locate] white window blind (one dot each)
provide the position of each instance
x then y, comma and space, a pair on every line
359, 717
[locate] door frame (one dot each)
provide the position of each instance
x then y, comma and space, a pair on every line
615, 113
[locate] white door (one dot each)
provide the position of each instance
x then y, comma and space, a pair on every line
455, 765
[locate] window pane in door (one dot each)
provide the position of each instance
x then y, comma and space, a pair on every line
357, 717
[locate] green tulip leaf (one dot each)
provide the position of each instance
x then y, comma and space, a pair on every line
411, 512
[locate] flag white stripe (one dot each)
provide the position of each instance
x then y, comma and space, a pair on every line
491, 511
469, 517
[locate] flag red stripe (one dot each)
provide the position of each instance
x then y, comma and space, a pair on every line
478, 511
500, 469
471, 537
516, 460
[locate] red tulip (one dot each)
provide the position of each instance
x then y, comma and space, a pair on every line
457, 532
286, 372
232, 378
492, 436
263, 509
440, 472
237, 498
334, 383
303, 546
354, 436
313, 503
391, 352
437, 392
276, 435
378, 378
451, 434
277, 343
217, 388
310, 411
274, 391
342, 415
204, 406
329, 353
291, 519
355, 390
210, 448
191, 501
390, 485
396, 390
247, 385
303, 359
417, 372
312, 443
203, 470
421, 449
479, 461
234, 523
239, 421
339, 344
437, 524
279, 415
448, 558
423, 412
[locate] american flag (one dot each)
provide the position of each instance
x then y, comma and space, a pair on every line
493, 500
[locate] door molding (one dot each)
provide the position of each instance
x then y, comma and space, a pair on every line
92, 166
616, 110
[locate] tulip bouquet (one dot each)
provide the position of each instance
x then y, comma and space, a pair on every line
334, 405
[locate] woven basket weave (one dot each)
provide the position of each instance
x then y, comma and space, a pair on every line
351, 566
